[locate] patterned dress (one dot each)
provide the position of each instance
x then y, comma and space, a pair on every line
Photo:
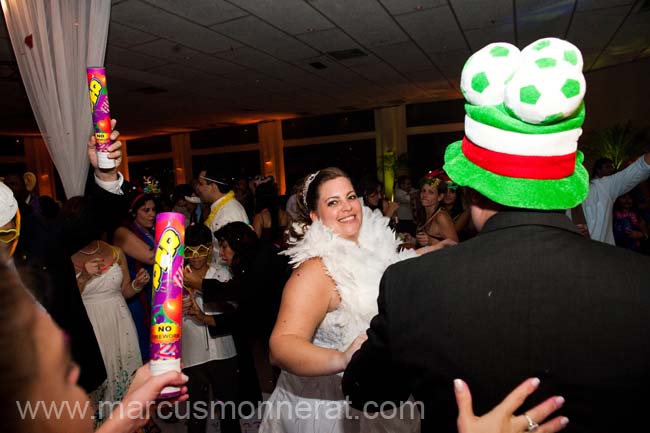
114, 329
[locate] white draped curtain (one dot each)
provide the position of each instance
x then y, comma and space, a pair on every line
54, 41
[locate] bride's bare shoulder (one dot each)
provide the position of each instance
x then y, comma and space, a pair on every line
313, 272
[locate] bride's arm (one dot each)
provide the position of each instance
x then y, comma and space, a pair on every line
306, 298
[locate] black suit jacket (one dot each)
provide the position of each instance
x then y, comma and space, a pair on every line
527, 297
256, 290
110, 210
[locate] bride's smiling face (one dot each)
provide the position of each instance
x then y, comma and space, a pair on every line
339, 208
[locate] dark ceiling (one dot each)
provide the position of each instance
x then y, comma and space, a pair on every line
184, 65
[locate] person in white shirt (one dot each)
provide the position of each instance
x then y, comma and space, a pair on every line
604, 188
215, 191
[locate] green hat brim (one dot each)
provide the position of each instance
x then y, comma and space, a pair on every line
552, 194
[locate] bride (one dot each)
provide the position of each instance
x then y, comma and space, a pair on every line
340, 252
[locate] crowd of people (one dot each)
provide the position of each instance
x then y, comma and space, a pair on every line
341, 305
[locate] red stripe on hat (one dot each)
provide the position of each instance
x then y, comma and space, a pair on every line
521, 166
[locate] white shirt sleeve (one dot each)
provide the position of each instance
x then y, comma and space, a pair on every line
231, 212
625, 180
112, 186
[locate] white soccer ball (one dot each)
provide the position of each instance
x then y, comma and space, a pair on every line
545, 92
559, 50
486, 71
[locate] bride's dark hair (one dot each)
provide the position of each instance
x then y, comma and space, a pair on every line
308, 195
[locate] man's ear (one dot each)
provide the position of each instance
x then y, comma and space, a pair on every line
30, 181
214, 188
313, 216
473, 196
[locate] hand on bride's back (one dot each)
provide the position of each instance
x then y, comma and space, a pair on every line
356, 345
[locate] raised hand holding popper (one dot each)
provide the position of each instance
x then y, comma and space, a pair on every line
101, 112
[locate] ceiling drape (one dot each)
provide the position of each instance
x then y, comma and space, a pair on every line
54, 42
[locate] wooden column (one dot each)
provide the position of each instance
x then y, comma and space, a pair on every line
272, 152
182, 156
39, 162
390, 136
390, 129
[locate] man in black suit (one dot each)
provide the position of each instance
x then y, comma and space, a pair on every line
528, 297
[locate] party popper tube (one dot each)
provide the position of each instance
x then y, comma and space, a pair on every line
166, 297
101, 114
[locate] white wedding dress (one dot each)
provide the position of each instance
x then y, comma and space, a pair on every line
316, 404
114, 330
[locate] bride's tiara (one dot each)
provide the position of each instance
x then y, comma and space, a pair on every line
305, 189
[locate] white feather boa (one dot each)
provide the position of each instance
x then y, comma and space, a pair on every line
356, 268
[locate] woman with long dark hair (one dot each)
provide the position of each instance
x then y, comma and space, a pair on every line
258, 275
208, 372
434, 223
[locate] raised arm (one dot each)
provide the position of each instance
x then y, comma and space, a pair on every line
308, 295
133, 246
625, 180
106, 193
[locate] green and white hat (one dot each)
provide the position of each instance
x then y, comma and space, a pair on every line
524, 114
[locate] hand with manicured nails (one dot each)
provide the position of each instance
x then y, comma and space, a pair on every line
502, 418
